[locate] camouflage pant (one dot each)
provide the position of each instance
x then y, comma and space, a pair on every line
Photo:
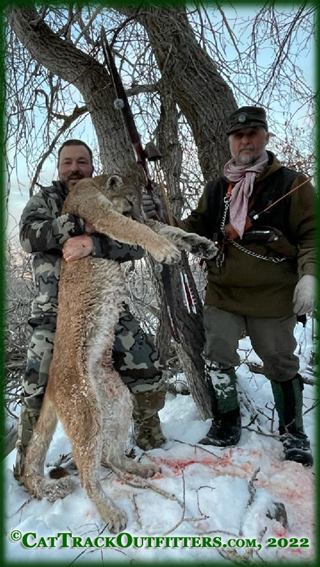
135, 358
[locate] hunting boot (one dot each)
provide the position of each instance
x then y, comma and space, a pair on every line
226, 424
147, 429
288, 402
27, 421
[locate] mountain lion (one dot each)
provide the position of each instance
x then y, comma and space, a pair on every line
84, 391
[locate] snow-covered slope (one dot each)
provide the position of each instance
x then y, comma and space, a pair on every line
226, 494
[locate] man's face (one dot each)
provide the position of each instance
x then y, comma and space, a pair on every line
247, 144
74, 164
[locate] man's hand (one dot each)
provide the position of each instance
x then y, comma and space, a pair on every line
304, 297
149, 206
77, 247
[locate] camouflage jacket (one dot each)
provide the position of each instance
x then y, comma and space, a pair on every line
43, 230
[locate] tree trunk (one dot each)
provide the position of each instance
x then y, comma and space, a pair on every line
190, 341
91, 78
206, 101
189, 347
203, 96
170, 148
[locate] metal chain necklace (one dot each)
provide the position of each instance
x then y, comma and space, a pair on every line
237, 245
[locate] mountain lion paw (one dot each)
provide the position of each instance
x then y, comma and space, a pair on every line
147, 471
117, 522
200, 246
164, 251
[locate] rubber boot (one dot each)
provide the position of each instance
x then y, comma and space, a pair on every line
27, 421
288, 402
225, 430
147, 429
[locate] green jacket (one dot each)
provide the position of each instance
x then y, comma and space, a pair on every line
43, 230
245, 284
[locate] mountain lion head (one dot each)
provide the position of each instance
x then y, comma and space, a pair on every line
123, 194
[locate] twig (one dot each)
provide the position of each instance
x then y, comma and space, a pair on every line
234, 556
197, 447
309, 381
85, 29
252, 493
252, 488
183, 507
68, 120
259, 432
165, 494
134, 496
210, 532
253, 411
252, 420
142, 485
94, 550
198, 489
62, 459
22, 506
312, 407
82, 552
260, 538
272, 418
196, 519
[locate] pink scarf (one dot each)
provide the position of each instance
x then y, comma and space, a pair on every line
244, 177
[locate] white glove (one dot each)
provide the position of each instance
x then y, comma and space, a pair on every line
149, 206
304, 297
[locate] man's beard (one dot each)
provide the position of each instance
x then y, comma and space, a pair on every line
247, 158
73, 179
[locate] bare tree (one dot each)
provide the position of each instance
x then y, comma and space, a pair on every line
197, 87
181, 79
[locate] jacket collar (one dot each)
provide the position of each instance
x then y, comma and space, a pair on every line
272, 166
62, 187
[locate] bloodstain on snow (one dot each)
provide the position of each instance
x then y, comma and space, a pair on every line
286, 481
297, 551
280, 532
218, 464
176, 465
157, 476
127, 477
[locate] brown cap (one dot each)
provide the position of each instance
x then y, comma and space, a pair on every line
247, 117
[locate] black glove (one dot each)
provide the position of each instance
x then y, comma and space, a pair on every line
149, 206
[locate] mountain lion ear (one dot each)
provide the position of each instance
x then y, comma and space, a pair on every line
114, 182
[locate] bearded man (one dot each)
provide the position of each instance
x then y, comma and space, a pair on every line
49, 235
262, 279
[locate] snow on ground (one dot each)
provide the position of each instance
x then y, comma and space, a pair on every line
222, 493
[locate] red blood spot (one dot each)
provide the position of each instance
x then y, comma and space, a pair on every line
291, 493
179, 464
157, 475
225, 459
246, 467
255, 452
280, 532
111, 390
296, 550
